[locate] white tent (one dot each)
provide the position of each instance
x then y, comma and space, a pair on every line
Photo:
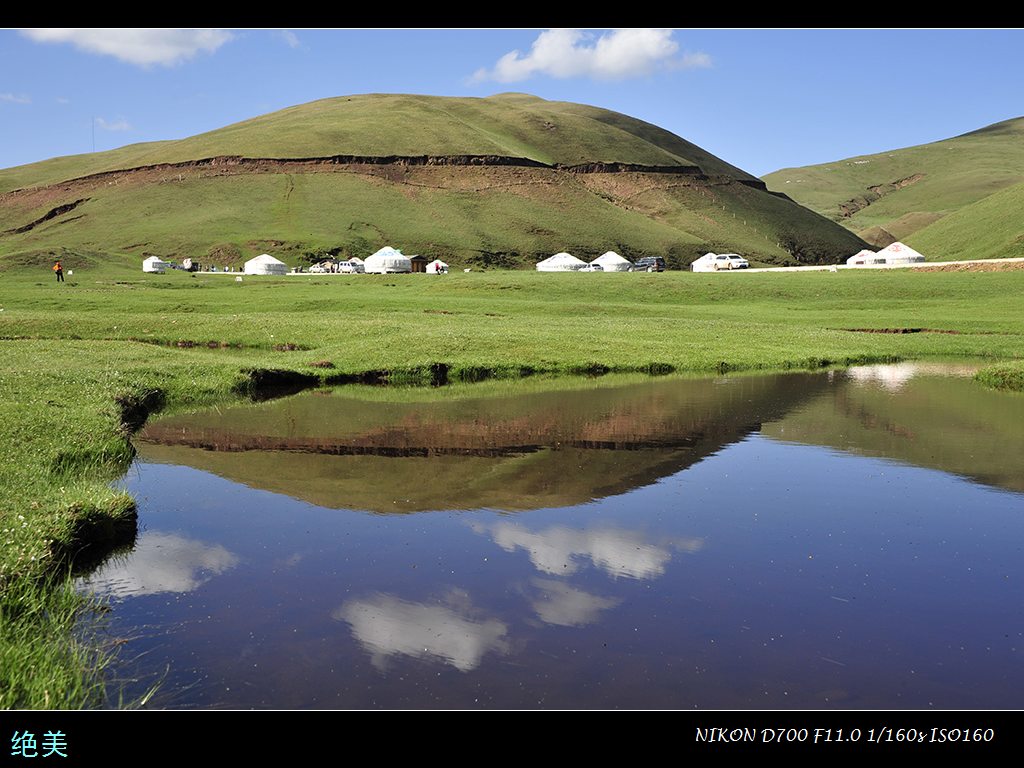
356, 260
265, 264
612, 262
561, 262
861, 258
387, 261
154, 264
437, 267
898, 253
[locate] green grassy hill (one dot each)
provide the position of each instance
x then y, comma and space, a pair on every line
156, 198
516, 125
948, 199
990, 228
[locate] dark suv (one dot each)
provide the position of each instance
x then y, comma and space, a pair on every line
649, 264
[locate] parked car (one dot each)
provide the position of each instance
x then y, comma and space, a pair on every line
715, 262
649, 264
592, 268
736, 261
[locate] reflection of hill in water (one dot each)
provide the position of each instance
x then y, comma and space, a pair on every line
544, 448
946, 423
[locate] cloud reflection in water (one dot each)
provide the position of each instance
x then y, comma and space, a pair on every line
617, 551
558, 603
893, 376
386, 625
161, 562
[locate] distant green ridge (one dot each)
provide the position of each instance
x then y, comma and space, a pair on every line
908, 194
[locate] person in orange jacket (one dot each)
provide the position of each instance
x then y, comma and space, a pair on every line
59, 269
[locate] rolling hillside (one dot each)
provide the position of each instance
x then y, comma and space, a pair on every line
949, 199
500, 181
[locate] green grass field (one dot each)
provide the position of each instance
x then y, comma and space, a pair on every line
82, 358
964, 204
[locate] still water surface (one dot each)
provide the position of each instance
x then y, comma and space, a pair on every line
836, 540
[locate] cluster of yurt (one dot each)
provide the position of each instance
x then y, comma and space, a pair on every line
609, 261
896, 254
390, 261
386, 261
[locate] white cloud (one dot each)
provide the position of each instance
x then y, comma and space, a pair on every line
290, 38
143, 47
566, 606
161, 562
618, 552
386, 625
614, 55
117, 124
15, 98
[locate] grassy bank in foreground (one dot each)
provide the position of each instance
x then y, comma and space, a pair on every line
49, 659
1008, 376
62, 440
84, 362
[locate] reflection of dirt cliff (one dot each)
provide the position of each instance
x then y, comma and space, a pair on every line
541, 449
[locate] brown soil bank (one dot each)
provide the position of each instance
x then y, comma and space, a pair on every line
993, 266
233, 166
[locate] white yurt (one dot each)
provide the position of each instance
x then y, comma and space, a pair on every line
154, 264
387, 261
898, 253
561, 262
862, 258
437, 267
265, 264
610, 261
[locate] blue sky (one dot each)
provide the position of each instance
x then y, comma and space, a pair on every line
760, 99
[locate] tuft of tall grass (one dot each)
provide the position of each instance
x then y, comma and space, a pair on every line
52, 653
1008, 376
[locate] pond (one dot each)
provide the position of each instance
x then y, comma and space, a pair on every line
846, 539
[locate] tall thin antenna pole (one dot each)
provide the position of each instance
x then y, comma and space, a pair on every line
94, 133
